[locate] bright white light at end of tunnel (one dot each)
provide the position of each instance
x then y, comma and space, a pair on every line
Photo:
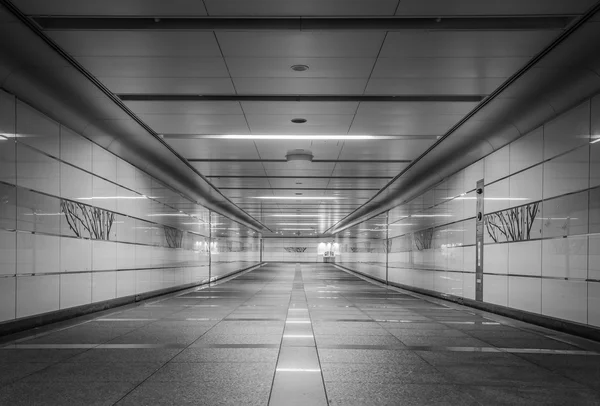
297, 137
298, 197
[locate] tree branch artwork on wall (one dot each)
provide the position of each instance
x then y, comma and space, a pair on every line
424, 239
513, 224
174, 237
87, 221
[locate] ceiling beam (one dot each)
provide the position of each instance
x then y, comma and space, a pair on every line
397, 23
358, 161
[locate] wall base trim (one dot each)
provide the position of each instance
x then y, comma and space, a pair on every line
564, 326
27, 323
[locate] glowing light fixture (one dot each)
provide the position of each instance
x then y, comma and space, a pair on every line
296, 137
295, 215
298, 197
298, 224
297, 229
595, 141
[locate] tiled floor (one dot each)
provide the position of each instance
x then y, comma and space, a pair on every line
288, 334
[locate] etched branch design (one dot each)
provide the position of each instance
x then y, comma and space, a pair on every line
424, 239
87, 221
174, 237
512, 224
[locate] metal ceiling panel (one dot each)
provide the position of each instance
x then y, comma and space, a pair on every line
491, 7
284, 121
447, 67
165, 67
385, 149
196, 124
300, 8
301, 44
305, 183
295, 172
320, 149
418, 125
229, 168
214, 149
256, 107
344, 169
184, 107
465, 44
411, 108
241, 183
433, 86
318, 67
141, 85
294, 86
112, 7
137, 43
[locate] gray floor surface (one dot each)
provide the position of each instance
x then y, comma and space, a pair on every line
306, 334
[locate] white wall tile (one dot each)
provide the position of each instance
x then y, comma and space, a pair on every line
565, 257
567, 173
37, 253
469, 259
495, 258
525, 258
469, 286
75, 184
595, 164
565, 299
594, 258
496, 165
8, 253
497, 196
104, 286
104, 194
37, 130
75, 149
125, 174
75, 289
526, 186
567, 131
8, 160
104, 164
525, 294
565, 215
527, 151
495, 289
37, 294
594, 303
472, 174
37, 171
104, 255
8, 290
126, 283
75, 254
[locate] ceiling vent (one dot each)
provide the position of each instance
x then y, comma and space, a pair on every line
299, 155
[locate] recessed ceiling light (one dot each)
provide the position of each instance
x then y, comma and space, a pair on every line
299, 68
298, 120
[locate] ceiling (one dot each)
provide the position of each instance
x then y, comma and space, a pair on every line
404, 87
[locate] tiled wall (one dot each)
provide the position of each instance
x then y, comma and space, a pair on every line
79, 225
542, 234
365, 255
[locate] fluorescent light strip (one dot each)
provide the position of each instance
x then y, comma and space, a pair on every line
298, 197
297, 224
295, 137
295, 215
431, 215
297, 370
297, 229
595, 141
298, 321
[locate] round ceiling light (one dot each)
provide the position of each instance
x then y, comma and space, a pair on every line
298, 120
299, 155
299, 68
